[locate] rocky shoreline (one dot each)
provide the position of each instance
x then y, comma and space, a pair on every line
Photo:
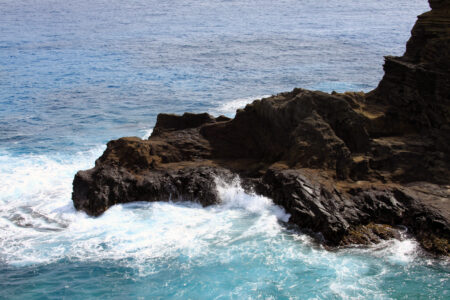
349, 166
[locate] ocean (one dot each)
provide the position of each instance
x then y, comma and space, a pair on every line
76, 74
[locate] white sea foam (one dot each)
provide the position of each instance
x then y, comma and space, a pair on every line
147, 133
41, 182
234, 196
229, 108
35, 200
397, 251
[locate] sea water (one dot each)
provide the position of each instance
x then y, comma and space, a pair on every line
75, 74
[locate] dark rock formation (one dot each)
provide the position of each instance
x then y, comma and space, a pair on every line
416, 86
348, 166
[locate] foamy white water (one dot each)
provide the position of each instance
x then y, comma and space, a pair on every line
228, 108
147, 133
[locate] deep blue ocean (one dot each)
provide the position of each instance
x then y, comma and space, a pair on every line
75, 74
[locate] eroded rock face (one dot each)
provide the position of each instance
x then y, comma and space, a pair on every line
348, 166
98, 189
353, 212
417, 85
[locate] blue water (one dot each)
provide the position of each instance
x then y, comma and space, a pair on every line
74, 75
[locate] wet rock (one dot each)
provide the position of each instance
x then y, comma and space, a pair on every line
369, 234
98, 189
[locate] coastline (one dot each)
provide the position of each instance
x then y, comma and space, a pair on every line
348, 166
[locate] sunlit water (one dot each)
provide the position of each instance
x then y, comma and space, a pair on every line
75, 74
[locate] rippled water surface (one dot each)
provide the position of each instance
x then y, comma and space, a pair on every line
74, 75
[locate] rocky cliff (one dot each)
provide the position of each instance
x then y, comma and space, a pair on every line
347, 167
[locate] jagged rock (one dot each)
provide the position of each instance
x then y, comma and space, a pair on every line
342, 211
348, 166
416, 86
369, 234
98, 189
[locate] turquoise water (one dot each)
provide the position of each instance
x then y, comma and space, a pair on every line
75, 75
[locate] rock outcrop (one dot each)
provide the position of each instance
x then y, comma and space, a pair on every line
347, 167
